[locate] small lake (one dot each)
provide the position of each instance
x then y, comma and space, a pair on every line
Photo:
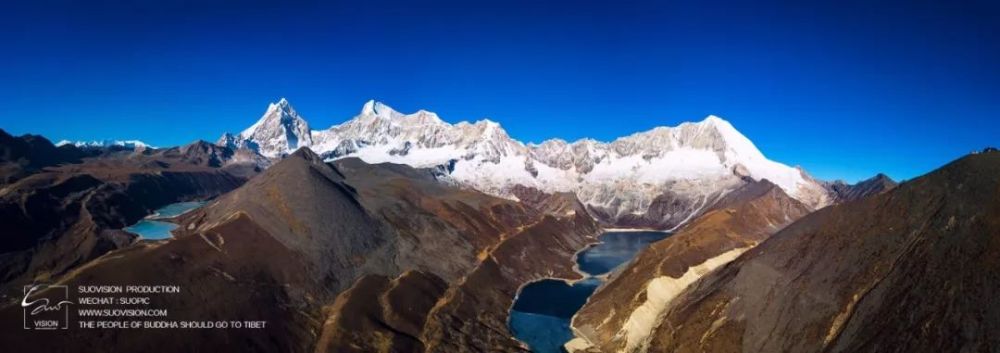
156, 226
615, 249
542, 311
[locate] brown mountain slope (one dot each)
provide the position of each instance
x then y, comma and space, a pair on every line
62, 216
623, 313
217, 282
310, 246
912, 270
483, 248
304, 204
381, 314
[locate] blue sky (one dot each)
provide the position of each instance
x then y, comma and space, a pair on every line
844, 88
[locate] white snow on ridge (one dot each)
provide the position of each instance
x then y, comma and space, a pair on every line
692, 160
105, 143
420, 158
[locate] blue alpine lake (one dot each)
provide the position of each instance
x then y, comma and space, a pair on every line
615, 249
150, 229
541, 314
155, 225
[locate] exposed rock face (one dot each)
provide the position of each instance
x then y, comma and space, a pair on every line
843, 192
910, 270
64, 216
623, 314
675, 207
656, 179
562, 204
323, 250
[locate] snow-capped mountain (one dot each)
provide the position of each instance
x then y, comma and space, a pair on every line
128, 144
279, 132
658, 178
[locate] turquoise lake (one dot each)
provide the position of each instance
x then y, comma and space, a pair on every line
155, 225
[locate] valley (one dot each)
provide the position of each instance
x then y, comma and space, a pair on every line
390, 176
416, 235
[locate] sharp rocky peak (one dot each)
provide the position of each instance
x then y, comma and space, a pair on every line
279, 131
373, 107
284, 110
712, 133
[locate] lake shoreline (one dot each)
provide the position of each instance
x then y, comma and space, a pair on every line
594, 263
159, 225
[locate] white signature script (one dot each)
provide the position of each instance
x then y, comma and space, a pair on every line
43, 303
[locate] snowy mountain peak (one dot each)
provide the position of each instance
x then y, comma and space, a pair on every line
278, 113
284, 108
618, 180
376, 108
735, 141
714, 119
368, 108
281, 130
487, 122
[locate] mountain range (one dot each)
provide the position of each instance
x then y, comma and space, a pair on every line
125, 144
399, 232
661, 178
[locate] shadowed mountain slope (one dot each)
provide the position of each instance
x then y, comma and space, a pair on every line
911, 270
65, 215
622, 314
24, 155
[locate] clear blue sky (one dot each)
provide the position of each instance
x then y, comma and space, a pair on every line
846, 89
